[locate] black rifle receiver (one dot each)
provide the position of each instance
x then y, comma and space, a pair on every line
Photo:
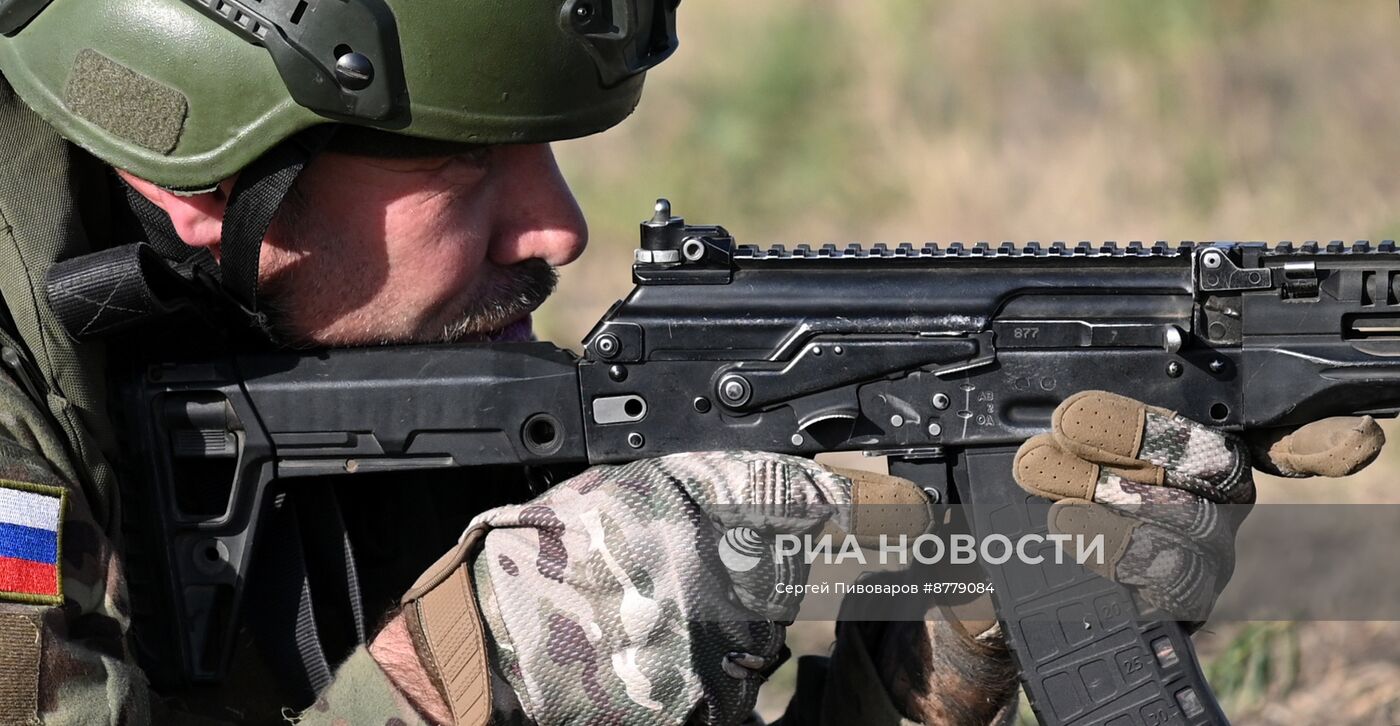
944, 359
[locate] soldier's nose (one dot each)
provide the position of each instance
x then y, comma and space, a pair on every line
538, 216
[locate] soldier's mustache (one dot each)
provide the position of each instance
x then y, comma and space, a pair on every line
510, 294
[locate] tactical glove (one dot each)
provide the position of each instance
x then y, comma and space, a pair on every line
642, 593
1167, 493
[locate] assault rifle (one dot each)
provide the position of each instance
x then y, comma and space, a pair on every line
943, 359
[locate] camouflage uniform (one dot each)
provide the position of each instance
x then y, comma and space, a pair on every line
360, 694
80, 659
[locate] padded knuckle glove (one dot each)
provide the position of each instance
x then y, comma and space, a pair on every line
1338, 446
1154, 486
644, 593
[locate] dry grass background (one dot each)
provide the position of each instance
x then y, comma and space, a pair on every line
893, 120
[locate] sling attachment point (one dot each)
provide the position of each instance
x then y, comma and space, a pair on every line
118, 289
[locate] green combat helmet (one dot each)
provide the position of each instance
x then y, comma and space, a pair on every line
187, 93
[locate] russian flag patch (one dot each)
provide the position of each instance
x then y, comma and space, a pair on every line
31, 522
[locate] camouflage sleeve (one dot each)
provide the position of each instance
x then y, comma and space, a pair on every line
938, 677
841, 688
360, 694
63, 615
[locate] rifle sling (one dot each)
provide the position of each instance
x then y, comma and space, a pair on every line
299, 613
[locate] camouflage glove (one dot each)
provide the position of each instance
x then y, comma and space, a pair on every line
645, 593
1153, 484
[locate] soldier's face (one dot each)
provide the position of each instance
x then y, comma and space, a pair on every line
378, 250
371, 250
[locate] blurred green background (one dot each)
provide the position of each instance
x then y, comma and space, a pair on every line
916, 120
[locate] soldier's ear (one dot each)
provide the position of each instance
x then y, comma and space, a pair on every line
198, 218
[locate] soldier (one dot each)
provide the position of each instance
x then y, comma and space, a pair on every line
359, 172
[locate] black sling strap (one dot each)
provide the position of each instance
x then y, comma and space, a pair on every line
305, 550
116, 289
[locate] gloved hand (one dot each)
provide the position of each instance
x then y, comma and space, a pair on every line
1153, 482
642, 593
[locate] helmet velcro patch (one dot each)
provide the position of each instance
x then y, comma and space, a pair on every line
124, 102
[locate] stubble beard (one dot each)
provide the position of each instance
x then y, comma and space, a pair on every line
505, 295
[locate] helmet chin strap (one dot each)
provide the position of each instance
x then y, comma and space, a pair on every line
116, 289
253, 204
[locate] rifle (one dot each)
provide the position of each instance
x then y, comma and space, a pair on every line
943, 359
